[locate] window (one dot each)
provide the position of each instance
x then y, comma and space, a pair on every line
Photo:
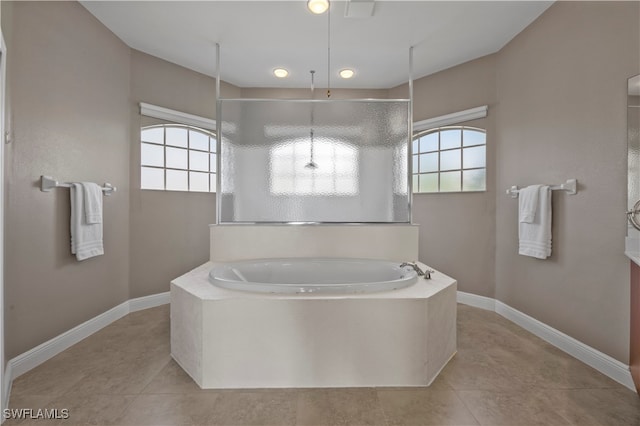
335, 174
449, 159
176, 157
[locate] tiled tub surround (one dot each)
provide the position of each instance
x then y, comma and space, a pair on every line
232, 339
389, 242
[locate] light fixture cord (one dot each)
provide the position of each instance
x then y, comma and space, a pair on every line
329, 50
311, 131
312, 86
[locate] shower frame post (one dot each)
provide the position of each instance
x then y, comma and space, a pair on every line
410, 141
218, 137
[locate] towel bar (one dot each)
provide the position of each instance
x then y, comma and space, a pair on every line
47, 183
570, 186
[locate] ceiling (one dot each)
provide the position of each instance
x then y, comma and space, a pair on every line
257, 36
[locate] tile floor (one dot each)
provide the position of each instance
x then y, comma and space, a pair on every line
501, 375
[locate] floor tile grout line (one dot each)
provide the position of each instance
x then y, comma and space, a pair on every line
153, 376
125, 411
384, 413
467, 407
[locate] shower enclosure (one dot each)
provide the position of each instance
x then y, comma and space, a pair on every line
313, 161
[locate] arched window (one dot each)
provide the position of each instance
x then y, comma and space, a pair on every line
176, 157
335, 172
449, 159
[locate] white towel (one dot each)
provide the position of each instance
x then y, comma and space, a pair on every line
86, 239
535, 237
528, 203
92, 202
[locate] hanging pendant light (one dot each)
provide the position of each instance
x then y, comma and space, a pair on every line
312, 165
319, 6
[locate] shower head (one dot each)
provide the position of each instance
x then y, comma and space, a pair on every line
311, 165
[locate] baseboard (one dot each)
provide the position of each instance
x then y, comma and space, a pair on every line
47, 350
605, 364
6, 388
41, 353
146, 302
476, 301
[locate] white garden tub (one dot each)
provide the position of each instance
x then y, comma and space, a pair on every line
228, 339
312, 275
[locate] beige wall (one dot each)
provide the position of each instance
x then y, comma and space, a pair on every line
457, 231
557, 110
75, 116
69, 79
169, 229
562, 114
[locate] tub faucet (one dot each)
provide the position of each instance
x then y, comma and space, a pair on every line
426, 274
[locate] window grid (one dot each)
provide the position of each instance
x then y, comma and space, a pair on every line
188, 149
335, 175
439, 170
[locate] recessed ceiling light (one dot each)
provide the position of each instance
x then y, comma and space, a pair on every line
346, 73
280, 72
318, 6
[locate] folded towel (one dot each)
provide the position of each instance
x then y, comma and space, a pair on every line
92, 202
528, 203
535, 237
86, 239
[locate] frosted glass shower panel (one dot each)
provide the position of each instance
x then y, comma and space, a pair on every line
313, 161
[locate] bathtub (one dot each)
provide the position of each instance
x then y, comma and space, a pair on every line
334, 330
312, 275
